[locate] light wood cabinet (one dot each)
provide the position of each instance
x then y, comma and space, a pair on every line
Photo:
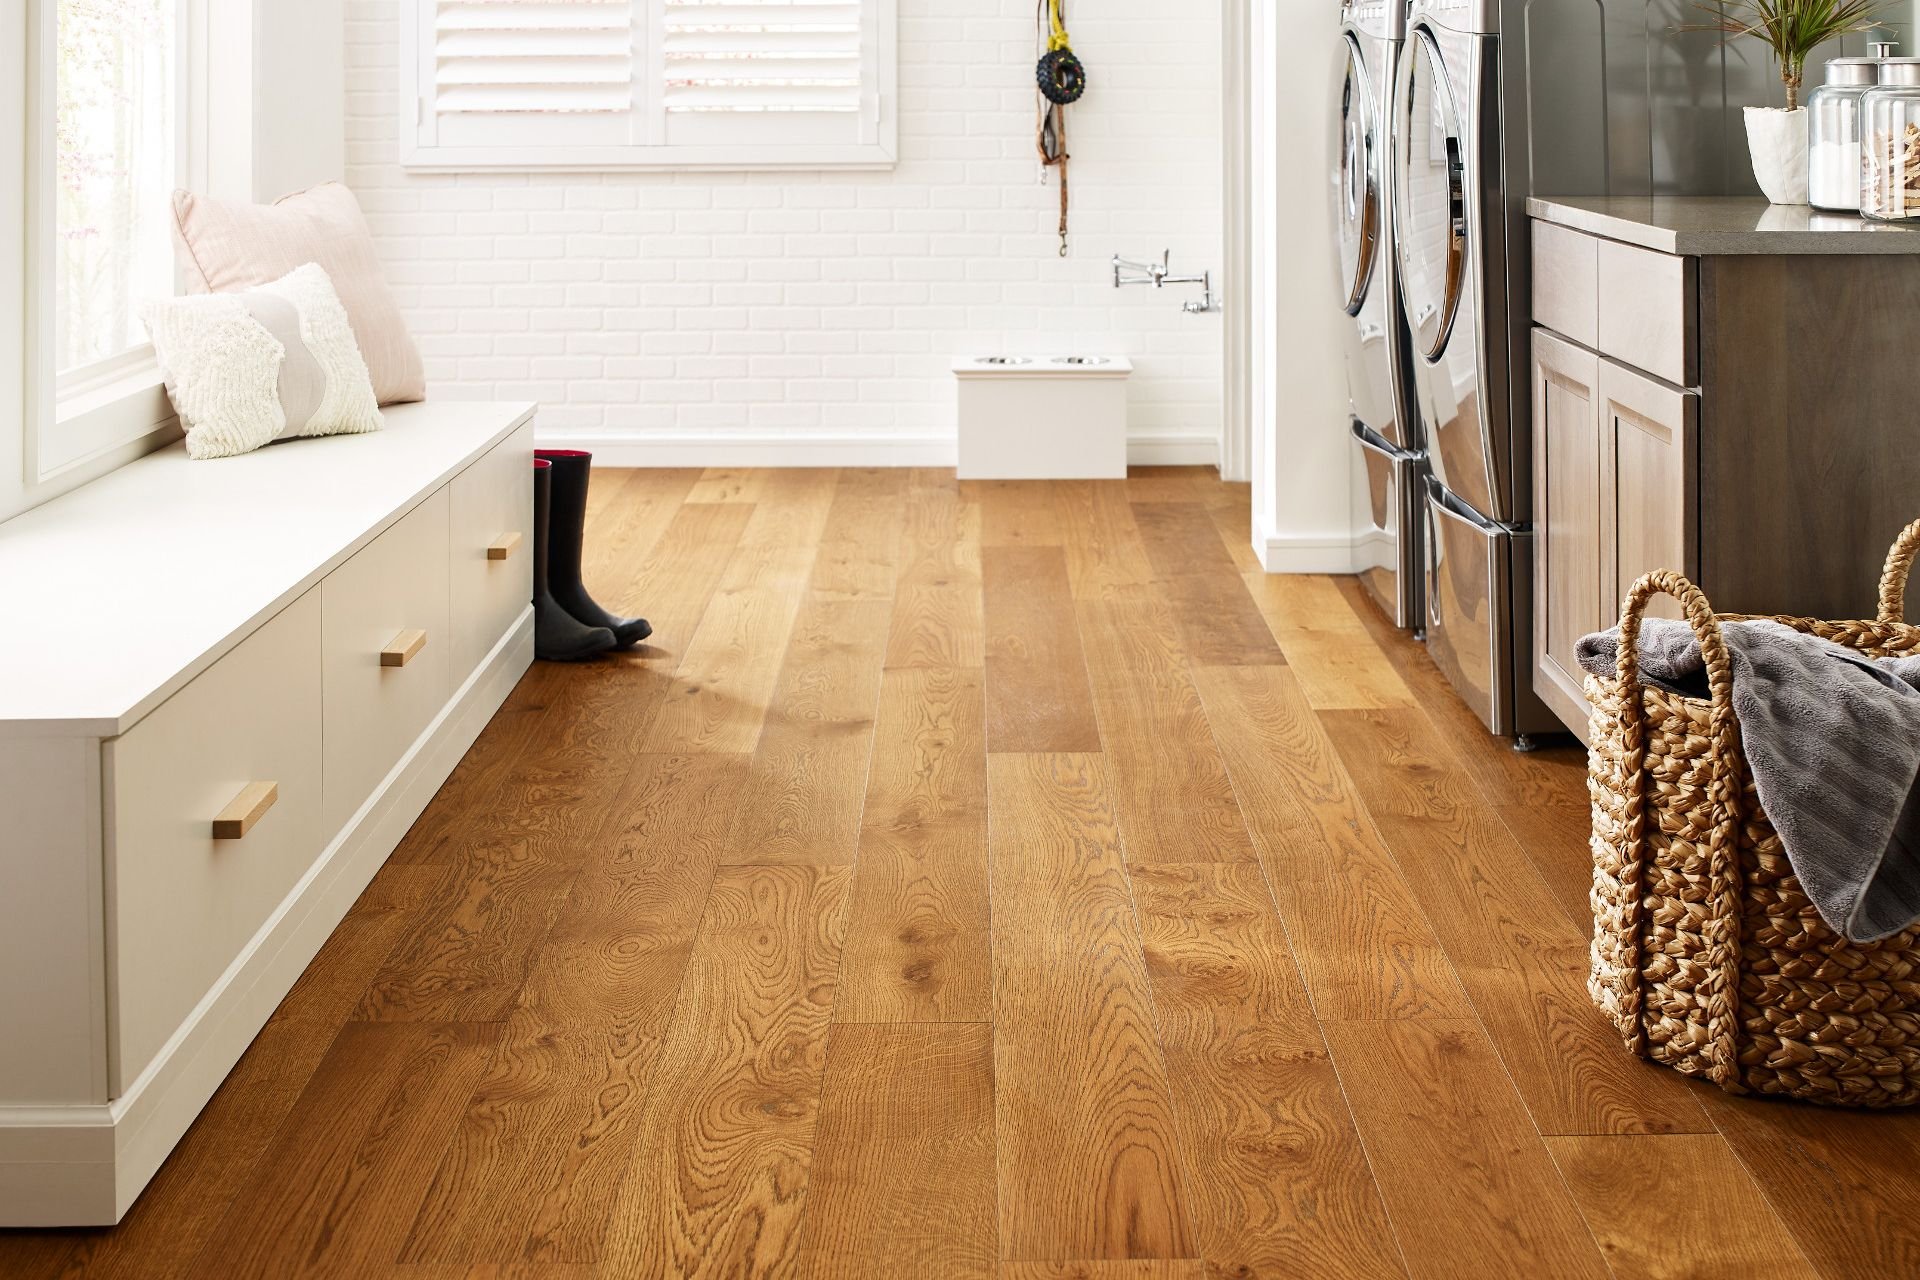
1569, 592
1648, 476
1615, 462
1736, 416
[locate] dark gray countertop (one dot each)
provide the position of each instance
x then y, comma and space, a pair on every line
1707, 226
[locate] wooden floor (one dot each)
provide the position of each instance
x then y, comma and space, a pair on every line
1000, 880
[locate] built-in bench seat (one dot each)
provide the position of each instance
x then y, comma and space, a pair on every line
227, 688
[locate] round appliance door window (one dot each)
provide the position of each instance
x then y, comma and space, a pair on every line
1356, 186
1431, 216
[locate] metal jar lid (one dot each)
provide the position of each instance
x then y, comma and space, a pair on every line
1852, 71
1900, 72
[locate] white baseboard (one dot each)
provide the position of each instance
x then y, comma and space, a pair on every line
84, 1165
624, 449
1314, 552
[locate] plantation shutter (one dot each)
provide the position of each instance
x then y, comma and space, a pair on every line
531, 72
529, 84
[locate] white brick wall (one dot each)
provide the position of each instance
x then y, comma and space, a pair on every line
813, 316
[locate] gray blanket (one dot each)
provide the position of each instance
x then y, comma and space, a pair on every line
1833, 739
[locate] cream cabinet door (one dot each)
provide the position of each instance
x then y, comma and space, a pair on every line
214, 816
490, 508
386, 653
1569, 596
1649, 435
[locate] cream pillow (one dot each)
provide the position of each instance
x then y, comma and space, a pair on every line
228, 247
245, 369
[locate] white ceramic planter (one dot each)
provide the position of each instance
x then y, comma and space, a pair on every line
1778, 140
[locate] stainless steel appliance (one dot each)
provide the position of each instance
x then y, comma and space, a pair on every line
1385, 428
1496, 100
1452, 236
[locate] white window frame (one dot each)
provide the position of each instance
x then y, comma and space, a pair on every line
418, 155
116, 409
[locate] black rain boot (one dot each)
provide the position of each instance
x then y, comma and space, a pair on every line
557, 635
570, 472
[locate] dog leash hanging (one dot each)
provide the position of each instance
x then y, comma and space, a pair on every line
1062, 79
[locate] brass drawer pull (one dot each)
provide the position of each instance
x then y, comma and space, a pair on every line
245, 809
401, 649
503, 547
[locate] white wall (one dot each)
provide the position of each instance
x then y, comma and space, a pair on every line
1303, 460
708, 318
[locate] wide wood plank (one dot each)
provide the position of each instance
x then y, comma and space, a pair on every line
721, 690
1015, 513
729, 484
1664, 1207
337, 1189
860, 547
466, 954
349, 960
936, 618
1104, 551
782, 539
437, 835
1208, 601
1468, 1180
1846, 1182
1329, 649
1522, 962
801, 800
626, 533
902, 1180
718, 1181
917, 933
544, 1141
724, 680
1277, 1181
1540, 795
1364, 946
1140, 1269
1176, 803
1234, 519
1037, 694
1088, 1158
1170, 483
674, 583
162, 1235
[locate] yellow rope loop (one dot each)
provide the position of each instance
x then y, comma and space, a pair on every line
1893, 582
1059, 39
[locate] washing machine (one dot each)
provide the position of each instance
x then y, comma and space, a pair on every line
1453, 231
1496, 100
1380, 417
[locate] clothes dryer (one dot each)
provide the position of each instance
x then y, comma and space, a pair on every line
1381, 417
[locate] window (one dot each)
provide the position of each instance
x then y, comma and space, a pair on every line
106, 138
115, 163
621, 84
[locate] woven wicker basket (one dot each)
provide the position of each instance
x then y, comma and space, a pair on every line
1707, 955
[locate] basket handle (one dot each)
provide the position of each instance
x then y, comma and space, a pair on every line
1723, 854
1893, 581
1700, 616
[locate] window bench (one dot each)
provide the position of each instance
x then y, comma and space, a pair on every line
227, 688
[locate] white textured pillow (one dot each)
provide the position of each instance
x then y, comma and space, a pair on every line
270, 363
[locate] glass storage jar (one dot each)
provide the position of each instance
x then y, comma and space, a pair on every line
1833, 133
1890, 140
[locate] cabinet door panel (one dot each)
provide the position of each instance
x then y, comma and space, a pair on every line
1649, 432
1568, 519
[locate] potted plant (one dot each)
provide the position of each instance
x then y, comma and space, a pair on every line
1791, 30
